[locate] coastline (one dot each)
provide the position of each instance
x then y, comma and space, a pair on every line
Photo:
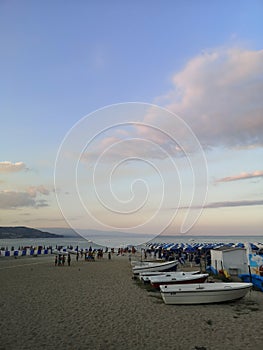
115, 242
98, 305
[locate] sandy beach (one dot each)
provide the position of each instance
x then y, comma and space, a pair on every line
98, 305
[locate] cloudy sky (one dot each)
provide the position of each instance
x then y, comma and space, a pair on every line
140, 116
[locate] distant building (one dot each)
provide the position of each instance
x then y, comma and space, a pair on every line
229, 259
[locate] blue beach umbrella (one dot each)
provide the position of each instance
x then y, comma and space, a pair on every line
254, 247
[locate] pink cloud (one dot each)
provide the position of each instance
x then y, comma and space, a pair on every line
242, 176
33, 190
219, 95
9, 167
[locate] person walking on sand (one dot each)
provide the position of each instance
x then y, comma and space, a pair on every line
56, 260
69, 259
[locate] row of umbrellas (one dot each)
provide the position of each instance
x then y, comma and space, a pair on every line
192, 247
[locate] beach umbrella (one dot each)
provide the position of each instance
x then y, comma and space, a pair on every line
189, 249
253, 246
174, 248
167, 245
239, 245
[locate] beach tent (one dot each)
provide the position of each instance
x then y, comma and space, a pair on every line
230, 260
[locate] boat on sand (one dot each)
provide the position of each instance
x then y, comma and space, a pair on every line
155, 266
204, 293
145, 276
177, 278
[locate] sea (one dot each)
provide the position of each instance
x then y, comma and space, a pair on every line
118, 242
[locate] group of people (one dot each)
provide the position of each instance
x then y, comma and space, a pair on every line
90, 254
197, 256
60, 260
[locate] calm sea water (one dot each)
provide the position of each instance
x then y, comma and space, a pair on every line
123, 241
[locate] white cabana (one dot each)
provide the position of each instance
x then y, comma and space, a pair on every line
230, 259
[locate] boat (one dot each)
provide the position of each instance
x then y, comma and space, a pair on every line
177, 278
145, 262
139, 263
155, 266
204, 293
145, 276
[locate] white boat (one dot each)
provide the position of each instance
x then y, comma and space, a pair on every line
204, 293
153, 266
145, 263
178, 278
139, 263
145, 276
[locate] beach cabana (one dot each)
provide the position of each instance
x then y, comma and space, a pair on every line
233, 260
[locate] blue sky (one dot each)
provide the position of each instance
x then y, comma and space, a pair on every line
200, 60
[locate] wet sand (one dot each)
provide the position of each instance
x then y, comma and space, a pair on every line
98, 305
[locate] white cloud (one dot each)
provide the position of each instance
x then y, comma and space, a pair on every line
219, 95
14, 199
9, 167
28, 198
33, 190
114, 149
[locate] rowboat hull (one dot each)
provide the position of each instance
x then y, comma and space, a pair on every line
205, 293
157, 281
145, 276
150, 267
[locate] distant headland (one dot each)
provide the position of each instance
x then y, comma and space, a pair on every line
17, 232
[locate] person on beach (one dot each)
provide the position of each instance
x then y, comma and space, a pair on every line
77, 256
69, 259
56, 260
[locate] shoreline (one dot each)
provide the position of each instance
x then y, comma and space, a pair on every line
98, 305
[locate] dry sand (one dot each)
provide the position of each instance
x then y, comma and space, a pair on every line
97, 305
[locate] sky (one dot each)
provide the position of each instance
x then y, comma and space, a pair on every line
132, 116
